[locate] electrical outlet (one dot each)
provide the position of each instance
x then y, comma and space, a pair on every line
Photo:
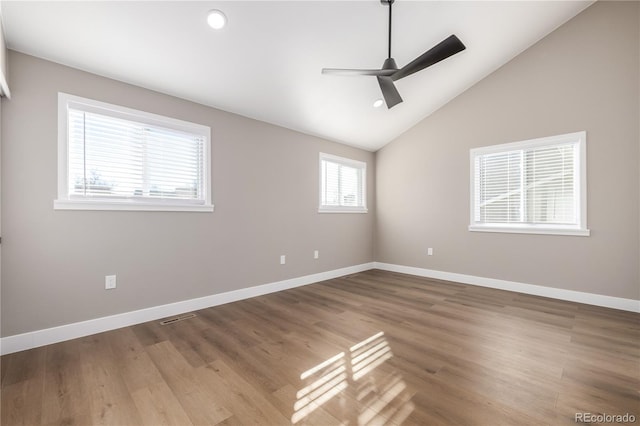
109, 282
429, 251
316, 254
283, 259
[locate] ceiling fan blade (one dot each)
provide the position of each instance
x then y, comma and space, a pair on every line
447, 47
349, 72
389, 91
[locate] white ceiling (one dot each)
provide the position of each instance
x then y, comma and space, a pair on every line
266, 63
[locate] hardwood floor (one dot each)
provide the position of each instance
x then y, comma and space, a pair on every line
367, 349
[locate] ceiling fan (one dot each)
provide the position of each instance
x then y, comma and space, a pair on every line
390, 71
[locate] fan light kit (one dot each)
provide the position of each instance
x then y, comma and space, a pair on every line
378, 103
216, 19
390, 71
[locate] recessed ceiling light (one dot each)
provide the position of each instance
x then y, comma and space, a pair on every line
378, 103
216, 19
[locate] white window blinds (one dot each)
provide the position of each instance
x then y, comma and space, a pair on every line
530, 185
342, 184
113, 157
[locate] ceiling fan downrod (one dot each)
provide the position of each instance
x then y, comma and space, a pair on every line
389, 63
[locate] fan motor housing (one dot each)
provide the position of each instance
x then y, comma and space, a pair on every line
389, 64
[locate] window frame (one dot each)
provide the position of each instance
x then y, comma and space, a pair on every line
67, 202
580, 189
361, 166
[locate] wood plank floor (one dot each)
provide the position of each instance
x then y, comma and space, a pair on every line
368, 349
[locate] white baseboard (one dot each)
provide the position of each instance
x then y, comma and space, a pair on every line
61, 333
34, 339
620, 303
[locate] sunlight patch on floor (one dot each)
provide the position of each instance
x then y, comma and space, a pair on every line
380, 397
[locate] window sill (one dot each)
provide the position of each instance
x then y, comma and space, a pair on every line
129, 206
531, 229
342, 210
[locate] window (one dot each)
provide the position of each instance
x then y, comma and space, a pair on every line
536, 186
342, 185
116, 158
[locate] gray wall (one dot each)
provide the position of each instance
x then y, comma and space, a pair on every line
265, 191
583, 76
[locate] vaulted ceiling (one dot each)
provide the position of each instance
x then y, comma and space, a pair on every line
266, 63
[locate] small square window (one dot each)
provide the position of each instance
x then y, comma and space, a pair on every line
342, 185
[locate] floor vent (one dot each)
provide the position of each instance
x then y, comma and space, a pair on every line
176, 319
